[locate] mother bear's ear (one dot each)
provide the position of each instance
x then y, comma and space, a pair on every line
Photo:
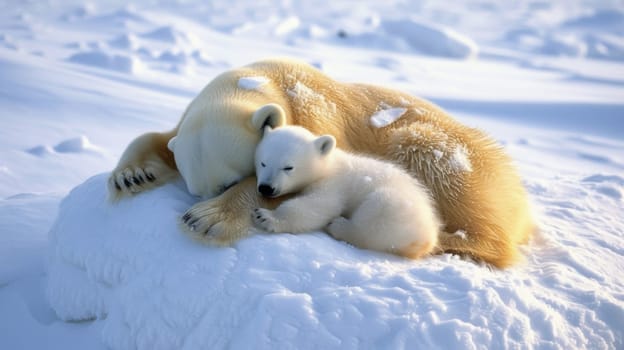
271, 115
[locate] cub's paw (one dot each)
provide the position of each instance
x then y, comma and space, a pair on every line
212, 222
133, 179
264, 220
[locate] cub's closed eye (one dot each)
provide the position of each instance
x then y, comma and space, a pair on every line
288, 168
263, 165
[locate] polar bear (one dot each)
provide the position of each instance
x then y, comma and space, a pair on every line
474, 184
360, 200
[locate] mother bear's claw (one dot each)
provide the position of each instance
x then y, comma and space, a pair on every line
192, 223
210, 233
136, 180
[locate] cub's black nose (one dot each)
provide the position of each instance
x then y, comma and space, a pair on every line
266, 190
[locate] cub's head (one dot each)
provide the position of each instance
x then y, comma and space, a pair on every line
289, 158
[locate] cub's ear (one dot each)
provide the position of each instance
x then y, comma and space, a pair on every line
325, 144
271, 115
171, 143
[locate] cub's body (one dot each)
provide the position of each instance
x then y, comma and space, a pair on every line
364, 201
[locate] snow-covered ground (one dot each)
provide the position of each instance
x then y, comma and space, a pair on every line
79, 80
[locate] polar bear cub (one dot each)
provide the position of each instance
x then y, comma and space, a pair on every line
366, 202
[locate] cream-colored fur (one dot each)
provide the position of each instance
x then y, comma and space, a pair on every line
366, 202
474, 185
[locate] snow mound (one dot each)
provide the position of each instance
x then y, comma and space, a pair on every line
76, 145
169, 35
611, 20
152, 287
411, 35
102, 59
173, 56
431, 39
79, 13
80, 144
609, 185
40, 150
202, 58
608, 47
562, 45
599, 34
125, 41
595, 45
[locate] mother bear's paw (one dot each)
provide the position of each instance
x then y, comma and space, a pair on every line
131, 179
146, 163
212, 222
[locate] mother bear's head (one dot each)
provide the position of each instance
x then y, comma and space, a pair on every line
218, 133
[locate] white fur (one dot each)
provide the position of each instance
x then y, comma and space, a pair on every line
369, 203
208, 174
213, 156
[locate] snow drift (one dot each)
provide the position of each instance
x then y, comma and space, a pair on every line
411, 35
153, 288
